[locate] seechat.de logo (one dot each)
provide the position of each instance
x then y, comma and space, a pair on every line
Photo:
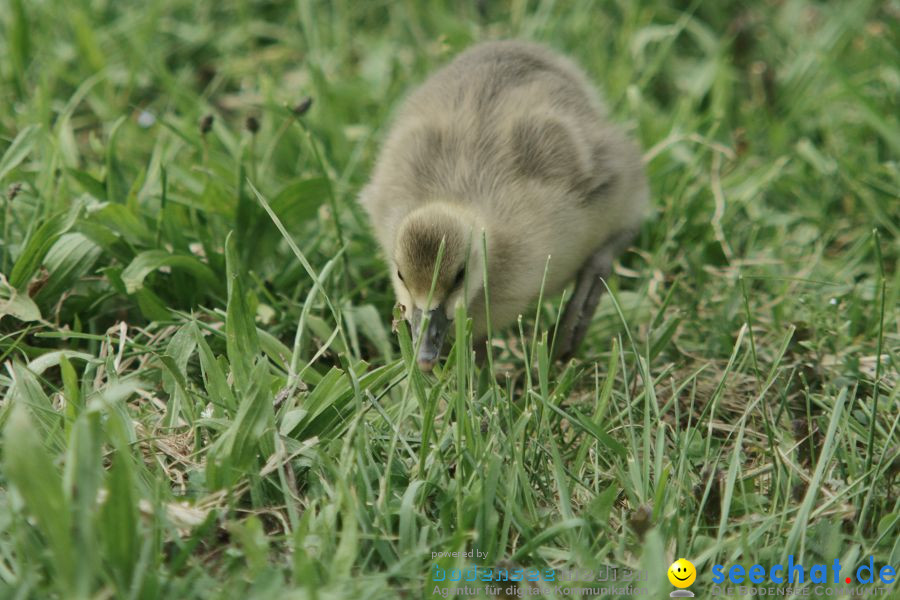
797, 573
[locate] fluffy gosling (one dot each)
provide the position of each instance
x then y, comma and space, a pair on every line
509, 141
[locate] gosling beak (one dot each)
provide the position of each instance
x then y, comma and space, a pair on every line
432, 337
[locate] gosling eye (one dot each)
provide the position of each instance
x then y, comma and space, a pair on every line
457, 281
400, 276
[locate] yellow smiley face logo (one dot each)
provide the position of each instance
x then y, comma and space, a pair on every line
682, 573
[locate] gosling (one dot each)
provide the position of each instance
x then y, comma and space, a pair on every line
508, 147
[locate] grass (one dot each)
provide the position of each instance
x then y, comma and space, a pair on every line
201, 392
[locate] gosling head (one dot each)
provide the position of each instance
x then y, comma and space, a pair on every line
457, 278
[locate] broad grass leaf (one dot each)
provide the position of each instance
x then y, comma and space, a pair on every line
152, 307
91, 184
38, 246
24, 457
146, 262
115, 181
83, 475
330, 404
321, 329
111, 242
348, 547
237, 448
86, 42
57, 357
19, 148
213, 376
17, 304
178, 352
119, 520
19, 47
277, 352
71, 393
242, 341
71, 257
407, 532
26, 389
123, 221
371, 324
653, 563
299, 201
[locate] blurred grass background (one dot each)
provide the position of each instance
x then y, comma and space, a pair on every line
186, 413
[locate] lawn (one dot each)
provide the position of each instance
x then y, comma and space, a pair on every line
201, 394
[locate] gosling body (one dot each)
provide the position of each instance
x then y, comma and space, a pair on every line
510, 142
